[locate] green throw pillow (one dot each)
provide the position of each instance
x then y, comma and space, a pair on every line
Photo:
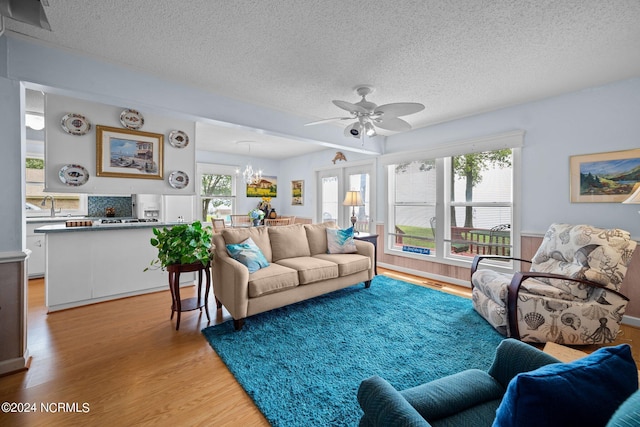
585, 392
249, 254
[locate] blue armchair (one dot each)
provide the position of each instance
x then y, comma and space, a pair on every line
473, 397
468, 398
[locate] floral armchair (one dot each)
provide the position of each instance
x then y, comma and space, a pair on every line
570, 295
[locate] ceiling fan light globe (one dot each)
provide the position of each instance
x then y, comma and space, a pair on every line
369, 130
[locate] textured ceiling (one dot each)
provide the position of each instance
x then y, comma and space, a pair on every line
456, 57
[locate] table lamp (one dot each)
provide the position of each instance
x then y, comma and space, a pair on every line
353, 199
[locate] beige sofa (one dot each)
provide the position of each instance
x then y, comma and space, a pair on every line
299, 268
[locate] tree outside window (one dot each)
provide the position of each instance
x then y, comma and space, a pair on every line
216, 191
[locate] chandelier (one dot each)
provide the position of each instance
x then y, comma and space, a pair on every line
249, 174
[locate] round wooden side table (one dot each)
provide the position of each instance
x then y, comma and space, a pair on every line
188, 304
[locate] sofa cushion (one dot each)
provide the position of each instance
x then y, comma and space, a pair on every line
311, 269
449, 395
585, 392
288, 241
271, 279
259, 235
317, 237
248, 254
347, 263
340, 241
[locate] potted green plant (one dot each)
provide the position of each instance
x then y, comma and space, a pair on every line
182, 244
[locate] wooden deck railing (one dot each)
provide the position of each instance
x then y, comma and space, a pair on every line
469, 240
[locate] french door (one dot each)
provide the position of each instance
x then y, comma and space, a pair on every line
333, 185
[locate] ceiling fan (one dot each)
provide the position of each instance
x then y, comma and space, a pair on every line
370, 116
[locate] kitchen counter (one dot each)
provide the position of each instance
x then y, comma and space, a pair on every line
49, 219
86, 265
62, 228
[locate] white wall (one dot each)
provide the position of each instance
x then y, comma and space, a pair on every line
11, 164
595, 120
63, 149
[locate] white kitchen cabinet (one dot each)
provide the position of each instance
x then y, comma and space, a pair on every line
36, 243
85, 265
35, 262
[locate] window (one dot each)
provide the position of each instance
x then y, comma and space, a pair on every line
39, 203
333, 184
217, 192
450, 208
360, 182
412, 188
329, 198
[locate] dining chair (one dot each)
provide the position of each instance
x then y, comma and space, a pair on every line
240, 220
271, 222
218, 224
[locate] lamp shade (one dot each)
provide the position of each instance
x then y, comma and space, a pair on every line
353, 198
635, 196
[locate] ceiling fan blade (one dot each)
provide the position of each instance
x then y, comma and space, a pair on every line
333, 119
399, 109
352, 108
392, 123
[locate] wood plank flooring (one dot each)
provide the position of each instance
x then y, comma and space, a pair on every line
125, 360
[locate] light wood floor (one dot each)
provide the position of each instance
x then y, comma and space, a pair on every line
126, 361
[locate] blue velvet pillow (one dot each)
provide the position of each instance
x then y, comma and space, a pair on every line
585, 392
340, 241
249, 254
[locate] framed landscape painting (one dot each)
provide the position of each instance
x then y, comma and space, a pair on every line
297, 192
604, 177
124, 153
266, 187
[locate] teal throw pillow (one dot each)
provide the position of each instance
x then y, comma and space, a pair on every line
340, 241
585, 392
249, 254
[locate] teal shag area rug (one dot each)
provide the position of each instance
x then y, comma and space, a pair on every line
302, 364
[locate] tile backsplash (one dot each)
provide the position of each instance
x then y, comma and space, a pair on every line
97, 206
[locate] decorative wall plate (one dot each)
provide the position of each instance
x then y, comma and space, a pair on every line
75, 124
131, 119
178, 180
178, 139
73, 175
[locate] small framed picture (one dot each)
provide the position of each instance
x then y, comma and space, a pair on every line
297, 192
125, 153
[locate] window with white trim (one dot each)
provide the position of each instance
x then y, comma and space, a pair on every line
451, 208
217, 194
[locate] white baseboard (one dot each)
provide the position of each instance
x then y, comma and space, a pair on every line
16, 364
419, 273
631, 321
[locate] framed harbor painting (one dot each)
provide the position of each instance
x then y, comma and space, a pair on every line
604, 177
125, 153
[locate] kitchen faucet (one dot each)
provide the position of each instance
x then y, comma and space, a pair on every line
53, 205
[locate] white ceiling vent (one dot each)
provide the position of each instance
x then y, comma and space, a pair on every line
27, 11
